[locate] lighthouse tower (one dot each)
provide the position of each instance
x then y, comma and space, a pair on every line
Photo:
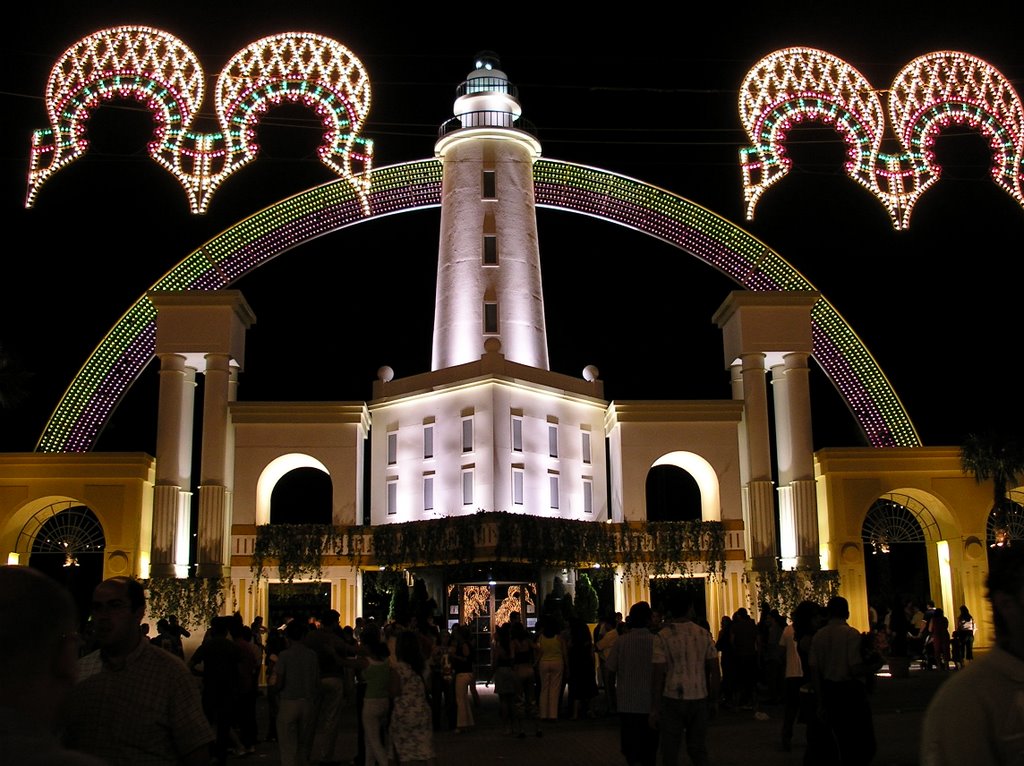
488, 275
490, 427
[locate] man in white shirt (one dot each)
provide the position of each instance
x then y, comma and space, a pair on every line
630, 663
977, 716
686, 675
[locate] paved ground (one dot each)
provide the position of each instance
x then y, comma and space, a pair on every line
736, 739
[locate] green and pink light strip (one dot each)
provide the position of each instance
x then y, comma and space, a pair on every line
123, 354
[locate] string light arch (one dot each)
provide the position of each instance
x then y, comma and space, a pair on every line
128, 347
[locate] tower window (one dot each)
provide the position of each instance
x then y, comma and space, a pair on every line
553, 490
490, 187
491, 318
553, 439
586, 447
490, 250
518, 477
428, 440
392, 496
392, 448
467, 434
588, 495
428, 493
467, 486
517, 433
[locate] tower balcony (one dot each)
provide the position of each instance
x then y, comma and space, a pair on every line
476, 85
487, 119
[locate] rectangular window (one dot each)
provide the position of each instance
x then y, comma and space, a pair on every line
490, 187
518, 476
588, 495
428, 440
392, 496
392, 448
467, 486
428, 493
553, 489
517, 433
553, 439
490, 250
586, 447
491, 318
467, 434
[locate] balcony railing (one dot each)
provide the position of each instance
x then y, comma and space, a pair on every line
487, 119
652, 548
476, 85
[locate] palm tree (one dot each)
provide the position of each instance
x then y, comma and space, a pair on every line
998, 457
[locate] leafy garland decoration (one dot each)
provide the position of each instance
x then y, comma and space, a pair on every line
785, 589
641, 548
195, 600
299, 549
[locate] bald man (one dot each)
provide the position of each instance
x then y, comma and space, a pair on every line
38, 664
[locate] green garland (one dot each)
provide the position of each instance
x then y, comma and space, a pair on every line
195, 600
784, 589
298, 548
447, 540
641, 548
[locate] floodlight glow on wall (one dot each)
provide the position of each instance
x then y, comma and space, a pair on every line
160, 71
930, 93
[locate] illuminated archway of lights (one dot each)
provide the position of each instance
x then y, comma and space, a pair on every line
930, 93
160, 71
129, 346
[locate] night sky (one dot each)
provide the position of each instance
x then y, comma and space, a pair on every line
635, 94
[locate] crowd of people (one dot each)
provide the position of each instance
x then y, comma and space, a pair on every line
118, 696
924, 635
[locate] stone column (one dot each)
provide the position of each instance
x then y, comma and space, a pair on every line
171, 494
784, 457
775, 326
800, 474
203, 331
214, 496
758, 491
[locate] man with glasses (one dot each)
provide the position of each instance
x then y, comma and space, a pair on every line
134, 703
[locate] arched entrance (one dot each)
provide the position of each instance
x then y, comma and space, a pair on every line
1002, 532
896, 533
65, 541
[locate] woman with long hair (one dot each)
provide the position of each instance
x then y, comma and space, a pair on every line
963, 638
938, 639
506, 683
377, 670
553, 662
412, 735
461, 655
582, 668
524, 663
